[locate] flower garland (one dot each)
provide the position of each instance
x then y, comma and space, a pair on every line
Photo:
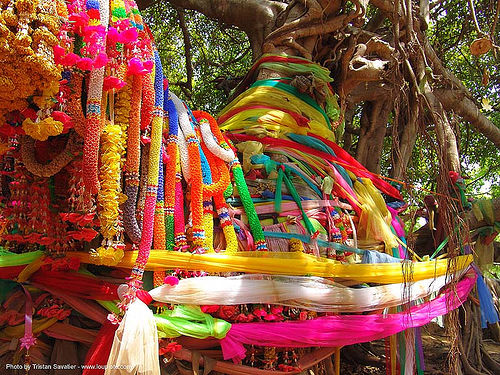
195, 177
223, 181
148, 101
74, 103
109, 197
53, 167
27, 34
159, 220
133, 162
152, 186
224, 152
171, 198
100, 16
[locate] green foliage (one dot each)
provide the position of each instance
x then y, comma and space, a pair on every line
452, 32
218, 53
494, 271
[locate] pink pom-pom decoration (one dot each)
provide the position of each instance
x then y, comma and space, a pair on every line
71, 59
59, 53
112, 83
113, 35
136, 67
84, 63
171, 280
100, 61
129, 36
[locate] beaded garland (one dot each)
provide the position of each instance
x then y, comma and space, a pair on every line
159, 220
196, 178
223, 178
171, 174
147, 101
132, 163
224, 152
152, 184
94, 116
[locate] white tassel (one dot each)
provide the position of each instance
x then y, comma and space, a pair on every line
135, 346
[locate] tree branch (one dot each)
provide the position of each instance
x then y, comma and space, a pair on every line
457, 101
474, 18
187, 50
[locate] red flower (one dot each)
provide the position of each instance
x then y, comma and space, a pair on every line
46, 241
63, 314
88, 234
171, 347
209, 308
303, 315
454, 176
259, 312
94, 13
228, 312
64, 118
270, 317
277, 309
86, 219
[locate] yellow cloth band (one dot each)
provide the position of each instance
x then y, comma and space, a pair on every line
293, 263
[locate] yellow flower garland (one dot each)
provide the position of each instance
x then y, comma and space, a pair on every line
27, 35
109, 197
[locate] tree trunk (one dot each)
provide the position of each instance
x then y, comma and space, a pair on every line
372, 134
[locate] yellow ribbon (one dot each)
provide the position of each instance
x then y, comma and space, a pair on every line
281, 99
293, 263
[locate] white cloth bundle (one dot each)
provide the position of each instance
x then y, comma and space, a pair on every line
312, 293
135, 346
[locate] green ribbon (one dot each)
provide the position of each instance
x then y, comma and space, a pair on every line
284, 174
190, 321
9, 259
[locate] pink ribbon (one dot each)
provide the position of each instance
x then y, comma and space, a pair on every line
28, 340
334, 331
